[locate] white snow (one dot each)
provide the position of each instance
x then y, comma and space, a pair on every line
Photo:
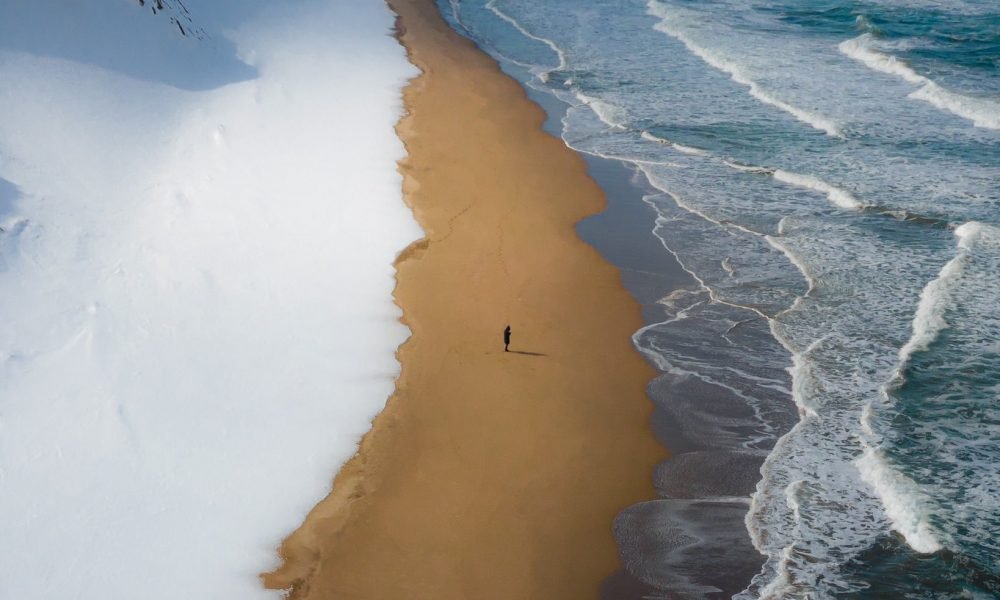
196, 324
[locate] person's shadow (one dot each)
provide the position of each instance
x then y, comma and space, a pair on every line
526, 353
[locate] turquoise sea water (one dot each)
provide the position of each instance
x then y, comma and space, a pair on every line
827, 171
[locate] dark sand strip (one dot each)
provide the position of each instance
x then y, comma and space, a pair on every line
489, 475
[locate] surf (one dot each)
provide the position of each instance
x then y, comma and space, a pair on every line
983, 112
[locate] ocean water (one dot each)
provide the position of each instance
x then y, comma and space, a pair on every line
825, 170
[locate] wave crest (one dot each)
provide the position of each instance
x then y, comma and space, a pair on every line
668, 26
982, 112
902, 500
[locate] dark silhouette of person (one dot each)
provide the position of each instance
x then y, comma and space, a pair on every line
506, 338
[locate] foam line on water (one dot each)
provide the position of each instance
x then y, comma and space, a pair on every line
613, 116
781, 585
560, 55
935, 299
668, 26
982, 112
902, 500
455, 13
777, 244
660, 221
679, 147
804, 381
464, 29
643, 166
838, 196
901, 497
929, 320
748, 168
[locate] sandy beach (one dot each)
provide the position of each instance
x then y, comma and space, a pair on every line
489, 474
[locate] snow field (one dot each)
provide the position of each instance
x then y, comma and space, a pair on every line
196, 275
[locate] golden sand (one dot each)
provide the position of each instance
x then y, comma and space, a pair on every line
488, 474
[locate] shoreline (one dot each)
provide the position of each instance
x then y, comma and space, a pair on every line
697, 484
700, 490
489, 474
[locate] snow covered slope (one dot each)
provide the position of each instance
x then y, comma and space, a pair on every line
196, 323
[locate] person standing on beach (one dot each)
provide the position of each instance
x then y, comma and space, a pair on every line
506, 338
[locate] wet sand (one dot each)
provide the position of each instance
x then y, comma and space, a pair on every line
489, 474
692, 541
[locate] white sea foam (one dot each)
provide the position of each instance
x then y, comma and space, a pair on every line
935, 299
795, 260
860, 49
748, 168
652, 138
610, 114
649, 136
197, 318
792, 491
560, 55
780, 586
804, 382
679, 147
902, 500
969, 233
655, 181
668, 25
689, 150
982, 112
455, 12
929, 320
836, 195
